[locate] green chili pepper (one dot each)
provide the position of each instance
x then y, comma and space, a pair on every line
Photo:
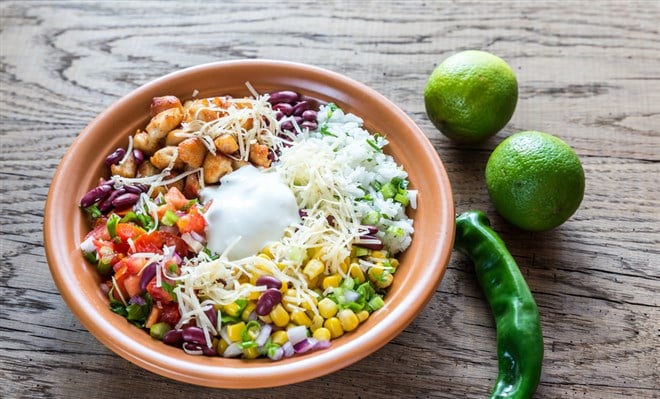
519, 337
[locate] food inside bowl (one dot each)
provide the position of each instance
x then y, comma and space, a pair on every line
262, 226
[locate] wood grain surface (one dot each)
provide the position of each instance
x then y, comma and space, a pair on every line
589, 73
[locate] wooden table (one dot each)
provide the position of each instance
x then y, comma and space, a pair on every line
589, 73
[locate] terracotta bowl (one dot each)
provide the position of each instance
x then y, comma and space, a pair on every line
422, 265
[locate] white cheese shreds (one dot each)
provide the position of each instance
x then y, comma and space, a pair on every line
248, 120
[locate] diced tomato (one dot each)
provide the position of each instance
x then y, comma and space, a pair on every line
170, 313
128, 230
192, 221
99, 231
133, 264
132, 285
120, 276
158, 293
176, 198
155, 241
106, 252
154, 315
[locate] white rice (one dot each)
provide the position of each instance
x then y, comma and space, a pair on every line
342, 146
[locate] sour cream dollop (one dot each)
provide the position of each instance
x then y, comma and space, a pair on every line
252, 205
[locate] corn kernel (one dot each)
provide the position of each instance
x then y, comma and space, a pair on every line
322, 334
313, 283
251, 353
332, 281
317, 322
356, 272
234, 331
249, 308
362, 315
394, 262
327, 308
279, 315
334, 326
266, 319
313, 268
343, 266
279, 337
349, 321
264, 255
285, 287
380, 276
309, 303
267, 251
220, 345
300, 318
314, 252
231, 309
378, 254
254, 295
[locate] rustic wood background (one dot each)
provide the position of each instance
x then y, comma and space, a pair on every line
589, 72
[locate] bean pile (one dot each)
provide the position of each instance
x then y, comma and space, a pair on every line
292, 107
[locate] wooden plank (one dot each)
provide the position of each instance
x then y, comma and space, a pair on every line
587, 73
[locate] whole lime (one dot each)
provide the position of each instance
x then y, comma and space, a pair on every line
471, 96
535, 180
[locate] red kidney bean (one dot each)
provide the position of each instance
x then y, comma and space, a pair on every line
212, 314
287, 125
148, 274
208, 351
269, 281
143, 187
173, 337
372, 229
125, 200
298, 119
139, 156
95, 195
279, 115
284, 96
286, 109
309, 115
133, 189
309, 125
267, 301
193, 334
115, 156
300, 107
106, 205
376, 246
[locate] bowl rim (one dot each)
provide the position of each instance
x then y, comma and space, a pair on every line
244, 374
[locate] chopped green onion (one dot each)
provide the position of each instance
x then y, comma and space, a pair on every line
371, 218
348, 283
112, 225
271, 349
388, 190
361, 251
169, 289
103, 267
375, 303
90, 256
93, 211
169, 218
247, 344
325, 132
395, 231
159, 330
173, 268
251, 331
402, 198
372, 143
